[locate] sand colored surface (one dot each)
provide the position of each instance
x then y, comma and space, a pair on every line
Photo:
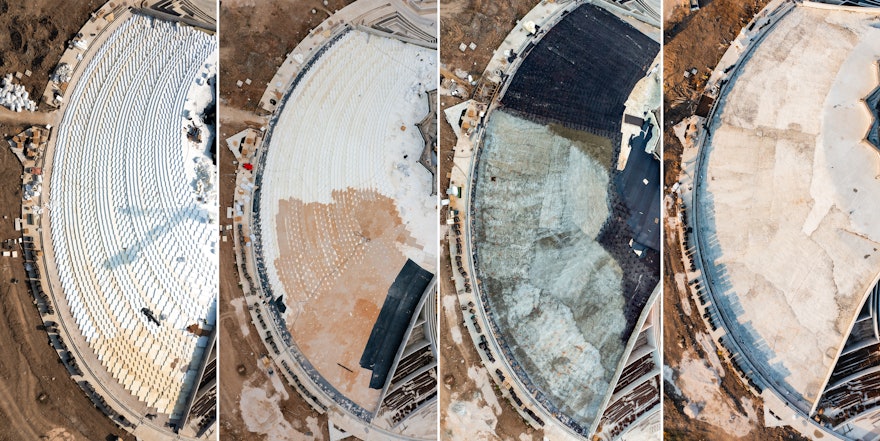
337, 233
330, 265
791, 198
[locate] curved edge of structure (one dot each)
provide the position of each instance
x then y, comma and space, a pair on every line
474, 116
346, 417
700, 288
120, 406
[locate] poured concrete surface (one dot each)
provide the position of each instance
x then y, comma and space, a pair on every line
555, 292
791, 197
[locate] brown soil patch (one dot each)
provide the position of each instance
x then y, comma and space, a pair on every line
33, 34
339, 260
256, 36
484, 22
695, 40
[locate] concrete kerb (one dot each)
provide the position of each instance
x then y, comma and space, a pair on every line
409, 40
614, 7
834, 7
144, 8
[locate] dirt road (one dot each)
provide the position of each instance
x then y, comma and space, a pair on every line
28, 118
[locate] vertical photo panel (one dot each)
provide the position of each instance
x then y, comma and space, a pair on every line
110, 256
329, 255
550, 170
771, 156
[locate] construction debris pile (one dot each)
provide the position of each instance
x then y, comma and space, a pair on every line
28, 146
62, 74
14, 96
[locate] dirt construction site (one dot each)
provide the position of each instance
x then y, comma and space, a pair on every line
255, 405
47, 405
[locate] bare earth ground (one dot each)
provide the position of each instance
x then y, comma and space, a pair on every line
38, 397
39, 401
485, 23
679, 334
254, 41
698, 40
455, 362
33, 34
